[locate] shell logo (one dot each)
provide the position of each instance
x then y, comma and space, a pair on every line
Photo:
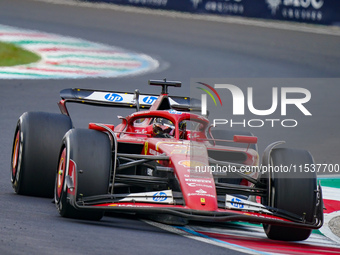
191, 163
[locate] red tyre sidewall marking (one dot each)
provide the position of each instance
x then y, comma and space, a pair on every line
72, 172
61, 173
15, 155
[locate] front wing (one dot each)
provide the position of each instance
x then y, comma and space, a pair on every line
131, 204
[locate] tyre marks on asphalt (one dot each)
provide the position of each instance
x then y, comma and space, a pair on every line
250, 238
67, 57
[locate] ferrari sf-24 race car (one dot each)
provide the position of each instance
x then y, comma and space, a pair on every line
157, 163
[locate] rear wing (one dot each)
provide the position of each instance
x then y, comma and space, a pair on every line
113, 99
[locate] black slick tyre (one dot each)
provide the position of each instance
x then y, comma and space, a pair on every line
294, 192
35, 152
85, 157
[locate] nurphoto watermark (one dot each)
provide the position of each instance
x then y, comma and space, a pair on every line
280, 99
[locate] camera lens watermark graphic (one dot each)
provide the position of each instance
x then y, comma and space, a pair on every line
204, 97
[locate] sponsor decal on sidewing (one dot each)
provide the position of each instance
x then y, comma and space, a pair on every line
164, 196
233, 202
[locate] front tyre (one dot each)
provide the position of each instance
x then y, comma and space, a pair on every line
35, 152
85, 159
294, 192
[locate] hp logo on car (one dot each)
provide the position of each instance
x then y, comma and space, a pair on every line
159, 197
237, 203
149, 99
113, 97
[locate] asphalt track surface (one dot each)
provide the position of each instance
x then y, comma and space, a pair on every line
186, 49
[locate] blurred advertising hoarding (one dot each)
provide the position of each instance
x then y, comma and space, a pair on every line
325, 12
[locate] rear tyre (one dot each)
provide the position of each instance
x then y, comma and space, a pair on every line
85, 157
35, 151
294, 192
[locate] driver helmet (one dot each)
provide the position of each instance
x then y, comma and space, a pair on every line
182, 129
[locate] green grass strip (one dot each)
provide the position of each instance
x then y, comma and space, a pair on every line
12, 55
332, 183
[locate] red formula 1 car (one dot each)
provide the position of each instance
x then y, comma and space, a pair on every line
164, 162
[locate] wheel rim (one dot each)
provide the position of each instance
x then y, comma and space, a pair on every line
15, 155
61, 173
